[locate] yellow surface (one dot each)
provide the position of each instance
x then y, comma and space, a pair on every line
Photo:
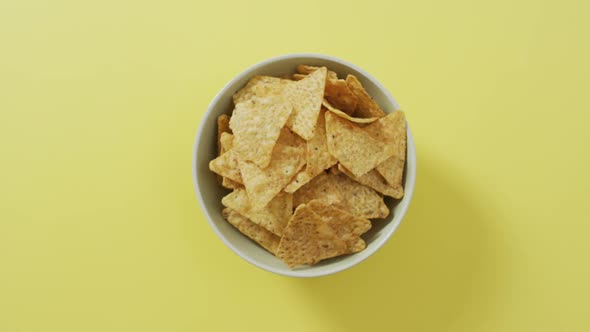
100, 229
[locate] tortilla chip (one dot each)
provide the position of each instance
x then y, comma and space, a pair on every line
336, 91
226, 142
260, 86
343, 192
287, 137
299, 180
367, 107
339, 94
318, 157
259, 234
229, 184
392, 130
340, 221
273, 217
306, 70
290, 139
227, 165
298, 77
262, 184
318, 231
256, 125
306, 97
392, 171
287, 77
343, 115
222, 127
373, 180
354, 148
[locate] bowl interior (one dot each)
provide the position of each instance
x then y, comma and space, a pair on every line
210, 191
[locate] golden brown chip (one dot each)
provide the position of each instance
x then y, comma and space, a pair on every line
306, 97
288, 138
306, 70
222, 127
343, 192
226, 141
229, 184
256, 124
261, 235
392, 130
367, 107
299, 180
318, 157
318, 231
339, 94
343, 115
273, 217
261, 86
336, 92
354, 148
298, 77
340, 221
287, 77
373, 180
227, 165
262, 184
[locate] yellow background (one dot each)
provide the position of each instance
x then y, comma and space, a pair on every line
100, 229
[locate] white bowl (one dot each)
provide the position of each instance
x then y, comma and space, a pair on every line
209, 192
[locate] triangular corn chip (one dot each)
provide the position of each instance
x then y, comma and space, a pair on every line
256, 125
318, 157
306, 70
392, 130
306, 97
262, 184
318, 231
261, 86
354, 148
343, 115
374, 180
273, 217
227, 165
298, 181
222, 127
261, 235
343, 192
339, 94
367, 107
298, 77
226, 142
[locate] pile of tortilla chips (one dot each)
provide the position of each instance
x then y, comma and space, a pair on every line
309, 159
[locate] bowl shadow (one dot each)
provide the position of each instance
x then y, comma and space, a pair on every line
433, 274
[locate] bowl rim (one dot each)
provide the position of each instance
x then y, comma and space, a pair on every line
355, 259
